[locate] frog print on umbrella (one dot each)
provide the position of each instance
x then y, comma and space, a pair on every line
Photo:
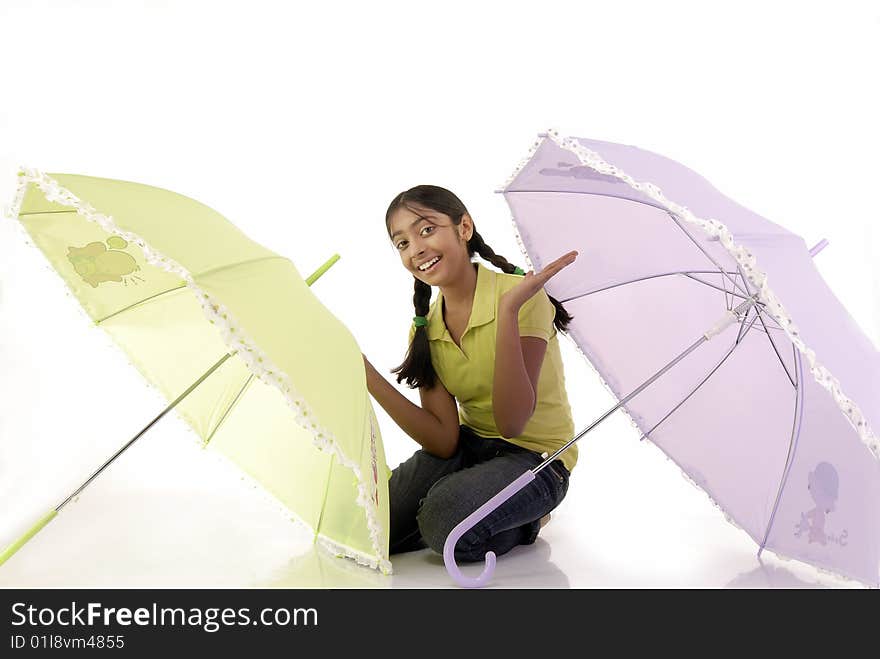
96, 264
823, 484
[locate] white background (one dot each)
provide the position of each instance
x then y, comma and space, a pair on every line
300, 123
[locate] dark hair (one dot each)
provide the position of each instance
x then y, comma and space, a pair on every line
417, 368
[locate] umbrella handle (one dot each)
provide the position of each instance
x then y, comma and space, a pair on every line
469, 522
7, 553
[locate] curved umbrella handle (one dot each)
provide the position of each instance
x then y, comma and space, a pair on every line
468, 523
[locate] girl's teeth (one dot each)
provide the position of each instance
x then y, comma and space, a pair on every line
433, 263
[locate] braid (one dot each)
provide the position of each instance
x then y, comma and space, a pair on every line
481, 248
417, 369
478, 245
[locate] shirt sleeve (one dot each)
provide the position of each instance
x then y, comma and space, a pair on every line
536, 317
412, 333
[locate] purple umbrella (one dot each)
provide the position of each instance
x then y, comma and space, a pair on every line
716, 333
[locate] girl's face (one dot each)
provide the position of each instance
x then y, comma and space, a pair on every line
429, 239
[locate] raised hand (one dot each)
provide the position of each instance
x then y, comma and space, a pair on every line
533, 282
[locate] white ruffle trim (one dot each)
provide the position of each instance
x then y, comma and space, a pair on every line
823, 570
522, 163
717, 230
255, 359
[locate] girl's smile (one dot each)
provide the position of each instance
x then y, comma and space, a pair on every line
430, 265
431, 246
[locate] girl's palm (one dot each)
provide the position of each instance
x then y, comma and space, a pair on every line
533, 282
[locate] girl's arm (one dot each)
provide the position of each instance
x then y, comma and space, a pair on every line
517, 367
518, 359
434, 425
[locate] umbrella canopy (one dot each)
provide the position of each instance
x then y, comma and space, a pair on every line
177, 286
773, 415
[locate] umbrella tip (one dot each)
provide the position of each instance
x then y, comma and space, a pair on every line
818, 247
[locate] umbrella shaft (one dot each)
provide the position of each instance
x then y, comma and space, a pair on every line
738, 311
146, 428
619, 405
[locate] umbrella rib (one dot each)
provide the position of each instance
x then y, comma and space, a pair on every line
703, 381
718, 288
772, 342
229, 409
176, 288
139, 302
324, 499
776, 350
792, 445
622, 283
769, 326
226, 266
646, 202
686, 273
740, 334
71, 210
730, 302
726, 300
721, 270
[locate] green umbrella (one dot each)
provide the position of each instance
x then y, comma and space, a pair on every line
230, 333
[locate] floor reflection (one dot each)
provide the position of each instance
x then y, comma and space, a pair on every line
525, 566
772, 576
317, 568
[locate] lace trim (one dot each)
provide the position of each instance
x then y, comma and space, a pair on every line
717, 230
823, 570
256, 360
522, 163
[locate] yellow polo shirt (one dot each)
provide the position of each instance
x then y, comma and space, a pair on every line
468, 372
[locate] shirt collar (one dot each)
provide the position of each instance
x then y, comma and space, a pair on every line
482, 311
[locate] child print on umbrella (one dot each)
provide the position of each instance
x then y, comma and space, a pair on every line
822, 483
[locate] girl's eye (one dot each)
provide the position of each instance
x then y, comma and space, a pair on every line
402, 243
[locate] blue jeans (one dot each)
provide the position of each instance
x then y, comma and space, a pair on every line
429, 496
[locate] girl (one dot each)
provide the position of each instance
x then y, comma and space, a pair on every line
488, 341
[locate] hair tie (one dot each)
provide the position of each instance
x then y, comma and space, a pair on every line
518, 271
420, 321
